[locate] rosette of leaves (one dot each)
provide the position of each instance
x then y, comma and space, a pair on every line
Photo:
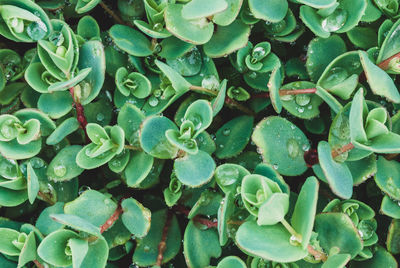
63, 65
20, 244
293, 238
160, 138
368, 130
19, 138
388, 7
23, 21
362, 217
106, 143
65, 247
256, 63
132, 83
155, 25
264, 199
336, 17
285, 30
16, 186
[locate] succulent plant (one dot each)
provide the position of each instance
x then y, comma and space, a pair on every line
199, 133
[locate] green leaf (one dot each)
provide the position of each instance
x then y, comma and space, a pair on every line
200, 114
195, 170
52, 248
388, 177
153, 140
380, 82
92, 206
129, 119
79, 249
281, 144
304, 211
7, 236
271, 242
91, 55
390, 207
218, 102
123, 37
67, 127
337, 174
227, 39
337, 230
231, 262
44, 223
33, 183
320, 52
63, 167
56, 104
178, 82
84, 6
197, 31
274, 209
227, 16
337, 261
229, 176
198, 9
270, 10
196, 254
135, 217
274, 84
77, 223
28, 252
139, 166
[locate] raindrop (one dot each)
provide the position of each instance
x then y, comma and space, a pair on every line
293, 148
60, 170
226, 132
275, 166
153, 101
100, 117
335, 21
36, 30
303, 99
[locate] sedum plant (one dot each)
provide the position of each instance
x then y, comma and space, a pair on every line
199, 133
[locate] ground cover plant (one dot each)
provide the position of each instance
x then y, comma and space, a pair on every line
199, 133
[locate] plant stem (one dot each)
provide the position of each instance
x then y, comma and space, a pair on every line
204, 90
38, 264
162, 246
112, 14
291, 230
285, 92
131, 147
113, 218
343, 149
209, 223
317, 254
80, 114
239, 106
45, 198
228, 101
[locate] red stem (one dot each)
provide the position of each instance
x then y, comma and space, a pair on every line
233, 103
384, 65
80, 115
209, 223
38, 264
343, 149
162, 246
113, 218
284, 92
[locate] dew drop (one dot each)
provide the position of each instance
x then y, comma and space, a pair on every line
36, 30
153, 101
60, 170
303, 99
335, 21
293, 148
226, 132
100, 117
